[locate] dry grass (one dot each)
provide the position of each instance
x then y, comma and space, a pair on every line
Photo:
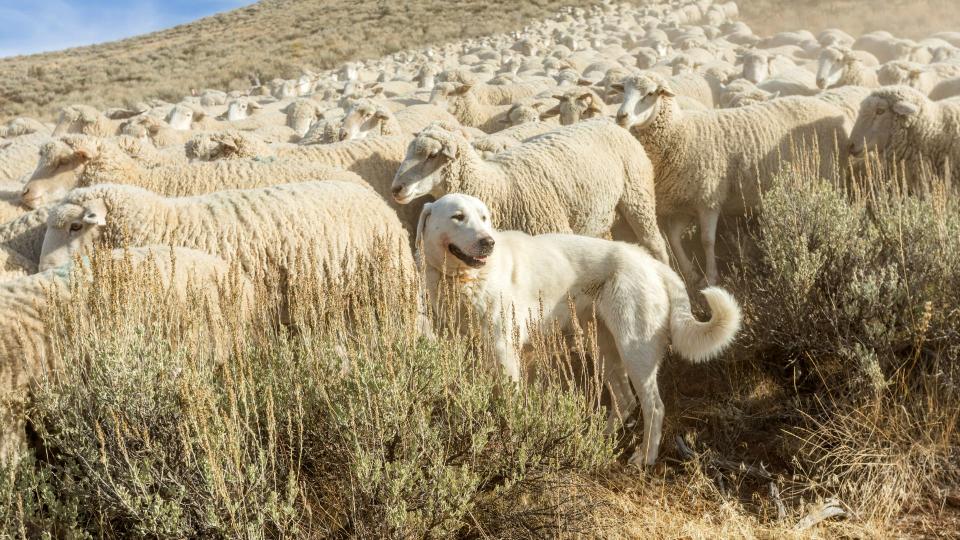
843, 384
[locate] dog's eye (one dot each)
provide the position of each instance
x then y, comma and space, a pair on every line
484, 218
458, 217
74, 227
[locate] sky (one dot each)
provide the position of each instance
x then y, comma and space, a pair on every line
30, 26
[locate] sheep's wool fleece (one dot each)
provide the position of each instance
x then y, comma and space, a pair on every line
571, 180
716, 158
265, 230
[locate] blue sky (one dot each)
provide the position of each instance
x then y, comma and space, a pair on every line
29, 26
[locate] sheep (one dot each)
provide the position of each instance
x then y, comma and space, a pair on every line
462, 103
85, 120
228, 144
329, 230
301, 113
512, 136
887, 48
759, 65
185, 275
19, 155
843, 67
575, 179
366, 117
902, 72
575, 105
906, 127
21, 240
709, 162
83, 161
22, 126
946, 89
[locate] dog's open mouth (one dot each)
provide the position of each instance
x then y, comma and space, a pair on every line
472, 262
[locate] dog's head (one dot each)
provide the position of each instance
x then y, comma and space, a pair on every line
456, 233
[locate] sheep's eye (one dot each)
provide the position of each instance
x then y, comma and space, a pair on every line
458, 217
881, 111
74, 227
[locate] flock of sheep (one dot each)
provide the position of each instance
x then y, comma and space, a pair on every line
621, 122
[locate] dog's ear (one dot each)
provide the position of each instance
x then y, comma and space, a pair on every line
424, 216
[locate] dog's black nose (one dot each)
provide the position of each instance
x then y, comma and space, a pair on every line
486, 244
396, 189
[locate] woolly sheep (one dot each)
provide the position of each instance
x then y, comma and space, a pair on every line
844, 67
463, 104
908, 128
323, 228
25, 336
85, 120
575, 105
709, 162
907, 73
22, 126
83, 161
19, 155
759, 65
366, 117
946, 89
575, 179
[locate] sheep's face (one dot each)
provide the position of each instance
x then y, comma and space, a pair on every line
421, 171
830, 68
72, 229
756, 68
456, 233
641, 102
57, 173
577, 106
364, 118
300, 116
522, 114
238, 110
180, 118
443, 92
875, 124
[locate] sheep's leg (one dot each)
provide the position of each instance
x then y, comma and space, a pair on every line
708, 239
675, 226
638, 209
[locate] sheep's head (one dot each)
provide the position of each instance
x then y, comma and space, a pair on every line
443, 91
756, 66
181, 118
59, 169
364, 117
240, 109
831, 65
905, 73
430, 152
881, 114
77, 119
301, 115
576, 105
642, 99
72, 228
522, 113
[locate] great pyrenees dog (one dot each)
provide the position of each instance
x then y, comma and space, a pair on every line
509, 278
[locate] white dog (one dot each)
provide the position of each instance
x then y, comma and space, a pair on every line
506, 277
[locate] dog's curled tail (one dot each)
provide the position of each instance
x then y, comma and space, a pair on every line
701, 341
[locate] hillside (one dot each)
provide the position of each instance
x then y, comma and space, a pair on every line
275, 38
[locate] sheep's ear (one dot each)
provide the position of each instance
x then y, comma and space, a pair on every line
424, 216
462, 89
665, 91
617, 87
376, 90
550, 113
253, 105
584, 82
448, 150
904, 108
916, 73
558, 97
382, 113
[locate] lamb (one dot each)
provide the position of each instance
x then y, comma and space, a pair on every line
906, 127
83, 161
366, 117
843, 67
25, 350
706, 161
575, 179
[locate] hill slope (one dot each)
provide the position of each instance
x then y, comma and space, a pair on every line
278, 37
272, 38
